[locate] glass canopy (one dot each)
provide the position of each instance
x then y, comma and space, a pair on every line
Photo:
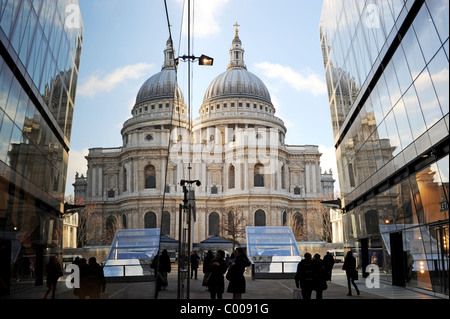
131, 252
273, 250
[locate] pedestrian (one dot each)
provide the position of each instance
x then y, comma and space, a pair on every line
162, 267
304, 276
207, 268
54, 271
95, 279
329, 263
235, 274
194, 264
216, 282
84, 272
351, 272
319, 276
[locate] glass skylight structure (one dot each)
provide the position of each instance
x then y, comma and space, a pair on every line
131, 253
273, 251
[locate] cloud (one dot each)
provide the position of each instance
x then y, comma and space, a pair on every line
206, 22
300, 81
96, 84
77, 163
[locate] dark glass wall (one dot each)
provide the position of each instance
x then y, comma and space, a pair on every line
40, 47
387, 70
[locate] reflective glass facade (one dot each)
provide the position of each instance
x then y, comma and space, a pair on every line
387, 70
40, 47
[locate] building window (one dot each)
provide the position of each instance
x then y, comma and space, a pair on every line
111, 193
231, 177
213, 222
260, 218
259, 175
165, 229
125, 179
150, 176
150, 220
296, 190
214, 190
124, 221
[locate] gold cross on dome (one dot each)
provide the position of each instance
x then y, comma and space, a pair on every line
236, 31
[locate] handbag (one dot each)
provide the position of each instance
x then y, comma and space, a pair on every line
355, 275
206, 279
297, 294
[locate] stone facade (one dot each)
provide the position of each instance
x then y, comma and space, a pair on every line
236, 149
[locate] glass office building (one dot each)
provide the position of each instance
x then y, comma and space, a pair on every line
387, 71
40, 47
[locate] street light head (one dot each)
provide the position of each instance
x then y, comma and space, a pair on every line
197, 183
205, 60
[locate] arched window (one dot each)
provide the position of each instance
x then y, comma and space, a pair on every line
150, 176
150, 220
124, 221
231, 223
259, 175
111, 227
213, 224
231, 176
284, 216
283, 175
260, 218
165, 229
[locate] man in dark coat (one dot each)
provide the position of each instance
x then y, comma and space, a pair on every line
161, 265
96, 282
304, 276
216, 281
236, 274
329, 263
319, 276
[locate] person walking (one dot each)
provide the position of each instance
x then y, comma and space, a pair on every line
235, 274
351, 272
329, 263
161, 265
95, 279
194, 264
319, 276
207, 268
54, 271
304, 276
216, 282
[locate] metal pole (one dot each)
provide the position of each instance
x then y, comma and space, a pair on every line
188, 251
180, 226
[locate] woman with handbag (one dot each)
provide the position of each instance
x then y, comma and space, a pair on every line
351, 272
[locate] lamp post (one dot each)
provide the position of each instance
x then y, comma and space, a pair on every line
189, 198
187, 207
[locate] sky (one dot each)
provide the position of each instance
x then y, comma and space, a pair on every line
123, 44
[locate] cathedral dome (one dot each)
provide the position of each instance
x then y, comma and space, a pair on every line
162, 85
237, 82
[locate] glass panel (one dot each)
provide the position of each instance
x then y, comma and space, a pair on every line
426, 33
402, 124
413, 53
439, 12
439, 71
427, 97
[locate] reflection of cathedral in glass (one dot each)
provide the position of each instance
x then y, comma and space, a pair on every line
236, 149
39, 62
387, 70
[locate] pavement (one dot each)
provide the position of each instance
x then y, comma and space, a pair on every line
258, 289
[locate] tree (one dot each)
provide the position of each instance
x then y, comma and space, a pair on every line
232, 224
